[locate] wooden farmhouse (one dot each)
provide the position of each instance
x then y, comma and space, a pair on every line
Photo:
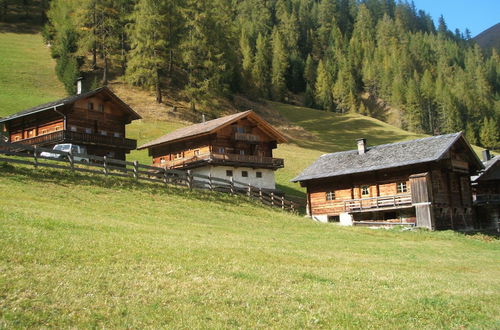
95, 119
238, 146
424, 182
486, 192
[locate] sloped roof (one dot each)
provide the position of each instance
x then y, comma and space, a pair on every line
491, 170
70, 100
210, 127
383, 156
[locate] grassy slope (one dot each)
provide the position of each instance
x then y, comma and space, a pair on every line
27, 75
82, 251
106, 253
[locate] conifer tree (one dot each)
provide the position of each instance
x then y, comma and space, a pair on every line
279, 66
488, 133
261, 67
323, 90
470, 134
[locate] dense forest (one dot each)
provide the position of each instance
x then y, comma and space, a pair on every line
334, 55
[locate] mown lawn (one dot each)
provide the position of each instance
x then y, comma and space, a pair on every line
27, 76
82, 251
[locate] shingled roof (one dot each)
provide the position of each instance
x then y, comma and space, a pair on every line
491, 170
70, 100
383, 156
210, 127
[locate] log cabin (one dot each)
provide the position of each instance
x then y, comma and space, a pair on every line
423, 182
238, 146
486, 193
96, 120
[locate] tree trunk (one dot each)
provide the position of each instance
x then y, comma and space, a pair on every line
170, 60
158, 87
105, 71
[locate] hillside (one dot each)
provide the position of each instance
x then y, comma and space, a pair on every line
489, 38
79, 251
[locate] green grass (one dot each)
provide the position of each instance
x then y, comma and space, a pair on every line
79, 251
27, 76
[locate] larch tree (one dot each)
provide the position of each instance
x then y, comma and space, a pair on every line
279, 66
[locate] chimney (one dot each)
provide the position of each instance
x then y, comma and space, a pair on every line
202, 117
79, 85
486, 155
361, 146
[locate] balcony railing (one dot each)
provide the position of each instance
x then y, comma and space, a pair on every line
246, 137
82, 138
487, 199
373, 203
227, 158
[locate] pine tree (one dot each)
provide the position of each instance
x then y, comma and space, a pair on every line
323, 88
310, 71
261, 67
470, 134
488, 133
148, 42
279, 67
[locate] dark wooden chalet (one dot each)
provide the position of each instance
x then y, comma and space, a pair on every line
239, 146
486, 192
95, 119
424, 182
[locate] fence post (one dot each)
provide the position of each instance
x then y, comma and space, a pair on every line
71, 160
232, 185
210, 180
282, 202
136, 170
105, 165
249, 190
260, 194
292, 206
272, 199
165, 177
35, 156
190, 179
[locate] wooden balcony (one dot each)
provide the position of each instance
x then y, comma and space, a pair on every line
246, 137
80, 138
226, 159
374, 203
482, 199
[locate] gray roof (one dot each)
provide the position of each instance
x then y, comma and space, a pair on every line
66, 101
381, 157
209, 127
489, 172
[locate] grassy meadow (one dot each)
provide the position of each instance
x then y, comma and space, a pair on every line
82, 251
27, 76
79, 251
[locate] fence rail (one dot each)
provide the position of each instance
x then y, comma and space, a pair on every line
31, 155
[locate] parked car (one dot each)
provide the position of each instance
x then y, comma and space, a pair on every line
79, 152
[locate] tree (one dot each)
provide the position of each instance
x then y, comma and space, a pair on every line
149, 45
261, 67
488, 133
323, 88
279, 66
470, 134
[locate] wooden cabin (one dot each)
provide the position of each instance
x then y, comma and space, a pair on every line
486, 193
238, 146
96, 120
424, 182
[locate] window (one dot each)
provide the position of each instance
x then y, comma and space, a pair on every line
197, 152
229, 173
365, 190
44, 131
244, 174
17, 138
104, 133
401, 187
240, 129
334, 218
88, 130
58, 128
162, 160
242, 152
73, 128
178, 155
117, 135
221, 150
101, 107
258, 174
330, 195
90, 106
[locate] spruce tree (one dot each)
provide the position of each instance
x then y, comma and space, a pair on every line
279, 66
488, 133
261, 67
323, 88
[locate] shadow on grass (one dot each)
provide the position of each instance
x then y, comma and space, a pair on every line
67, 178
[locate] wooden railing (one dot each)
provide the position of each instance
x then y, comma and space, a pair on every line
78, 137
30, 155
486, 199
246, 137
374, 203
234, 158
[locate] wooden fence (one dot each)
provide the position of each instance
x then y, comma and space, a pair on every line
31, 155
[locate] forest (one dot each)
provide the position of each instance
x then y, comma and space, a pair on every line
333, 55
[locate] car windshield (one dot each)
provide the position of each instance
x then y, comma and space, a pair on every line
62, 147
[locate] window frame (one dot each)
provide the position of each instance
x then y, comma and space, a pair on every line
229, 173
258, 174
244, 174
330, 195
401, 187
365, 190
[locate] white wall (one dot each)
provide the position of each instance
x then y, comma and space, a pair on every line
266, 182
